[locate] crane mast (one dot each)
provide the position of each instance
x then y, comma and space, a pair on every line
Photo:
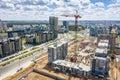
76, 16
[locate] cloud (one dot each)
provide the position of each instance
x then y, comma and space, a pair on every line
42, 9
99, 4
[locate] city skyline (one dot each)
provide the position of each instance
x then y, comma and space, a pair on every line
42, 9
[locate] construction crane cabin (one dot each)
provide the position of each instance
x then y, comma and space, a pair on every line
76, 16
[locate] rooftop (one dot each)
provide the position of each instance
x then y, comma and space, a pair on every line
79, 66
101, 50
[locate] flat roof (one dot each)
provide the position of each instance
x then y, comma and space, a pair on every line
100, 44
14, 38
104, 40
102, 58
58, 44
101, 50
72, 65
3, 40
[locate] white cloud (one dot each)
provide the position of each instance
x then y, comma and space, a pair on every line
42, 9
99, 4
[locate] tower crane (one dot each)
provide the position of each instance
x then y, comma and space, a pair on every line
76, 16
113, 33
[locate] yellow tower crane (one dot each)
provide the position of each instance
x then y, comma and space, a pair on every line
113, 34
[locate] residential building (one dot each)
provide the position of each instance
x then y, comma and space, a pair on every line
38, 38
100, 62
15, 44
17, 33
57, 51
53, 21
5, 47
10, 46
30, 39
77, 69
65, 25
100, 66
3, 25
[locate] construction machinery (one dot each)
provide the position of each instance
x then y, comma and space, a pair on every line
76, 16
113, 36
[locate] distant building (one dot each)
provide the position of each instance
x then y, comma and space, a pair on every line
97, 31
40, 37
20, 27
3, 25
65, 25
17, 33
58, 51
118, 30
93, 31
53, 21
5, 47
30, 39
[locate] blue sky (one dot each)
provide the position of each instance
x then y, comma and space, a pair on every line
42, 9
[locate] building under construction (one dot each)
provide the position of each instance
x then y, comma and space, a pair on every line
57, 51
77, 69
104, 51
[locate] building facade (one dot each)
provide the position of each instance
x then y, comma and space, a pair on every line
53, 22
65, 25
58, 51
10, 46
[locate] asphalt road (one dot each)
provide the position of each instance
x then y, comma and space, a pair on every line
12, 68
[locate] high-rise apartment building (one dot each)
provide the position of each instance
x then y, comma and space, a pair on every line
5, 47
57, 51
65, 25
10, 46
53, 21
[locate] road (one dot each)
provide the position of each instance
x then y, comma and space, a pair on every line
12, 68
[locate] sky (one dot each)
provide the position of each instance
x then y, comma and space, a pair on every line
42, 9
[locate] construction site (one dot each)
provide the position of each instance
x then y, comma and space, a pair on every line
83, 58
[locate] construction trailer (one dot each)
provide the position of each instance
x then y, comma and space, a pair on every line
58, 51
77, 69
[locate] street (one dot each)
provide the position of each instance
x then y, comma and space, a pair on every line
12, 68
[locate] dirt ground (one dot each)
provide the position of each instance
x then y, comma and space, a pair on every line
42, 65
3, 34
114, 72
36, 76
